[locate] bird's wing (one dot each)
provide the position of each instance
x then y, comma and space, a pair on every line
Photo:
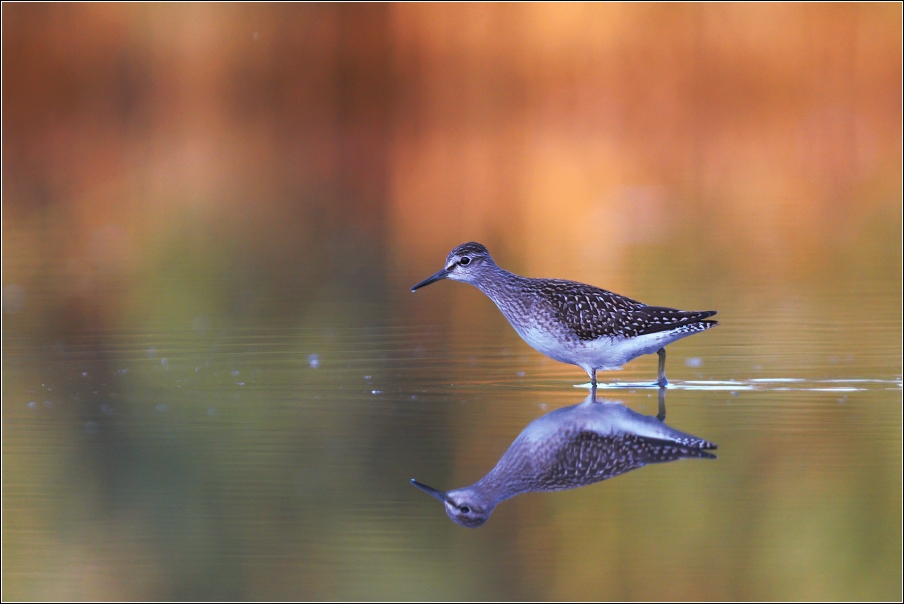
592, 313
591, 457
589, 312
653, 319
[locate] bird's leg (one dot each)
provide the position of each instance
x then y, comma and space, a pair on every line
593, 382
661, 381
661, 415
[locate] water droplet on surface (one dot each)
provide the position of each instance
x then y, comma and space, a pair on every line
694, 362
32, 405
164, 362
314, 361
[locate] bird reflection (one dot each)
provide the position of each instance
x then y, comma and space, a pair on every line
569, 448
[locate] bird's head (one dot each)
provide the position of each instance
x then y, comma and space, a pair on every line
467, 262
463, 506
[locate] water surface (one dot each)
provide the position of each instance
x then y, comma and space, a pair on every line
275, 462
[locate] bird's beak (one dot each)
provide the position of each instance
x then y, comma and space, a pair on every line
436, 493
440, 275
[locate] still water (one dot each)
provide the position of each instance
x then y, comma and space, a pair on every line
274, 460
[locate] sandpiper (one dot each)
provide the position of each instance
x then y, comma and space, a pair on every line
573, 322
569, 448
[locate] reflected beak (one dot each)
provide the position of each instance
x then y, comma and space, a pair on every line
438, 494
440, 275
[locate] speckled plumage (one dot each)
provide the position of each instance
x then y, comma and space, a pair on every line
573, 322
569, 448
588, 457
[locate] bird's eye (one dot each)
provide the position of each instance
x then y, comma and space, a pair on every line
465, 509
465, 261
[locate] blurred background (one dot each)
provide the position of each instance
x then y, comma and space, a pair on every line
216, 383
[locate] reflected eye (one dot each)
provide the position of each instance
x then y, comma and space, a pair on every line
465, 509
465, 261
